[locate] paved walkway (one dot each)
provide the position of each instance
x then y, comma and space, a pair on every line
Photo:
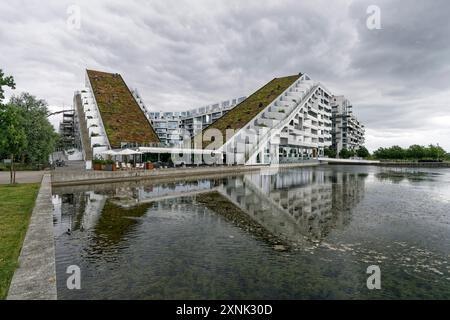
22, 176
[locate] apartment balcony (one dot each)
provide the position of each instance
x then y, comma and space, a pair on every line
270, 123
277, 115
100, 140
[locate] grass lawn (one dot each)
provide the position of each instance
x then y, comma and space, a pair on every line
16, 205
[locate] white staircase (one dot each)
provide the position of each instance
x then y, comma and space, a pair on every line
264, 130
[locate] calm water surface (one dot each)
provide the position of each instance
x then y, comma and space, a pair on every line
147, 240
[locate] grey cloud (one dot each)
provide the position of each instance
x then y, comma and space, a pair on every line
181, 54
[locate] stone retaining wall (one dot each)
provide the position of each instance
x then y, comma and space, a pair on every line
94, 177
35, 279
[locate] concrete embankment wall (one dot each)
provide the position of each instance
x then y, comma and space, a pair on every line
416, 164
96, 177
35, 279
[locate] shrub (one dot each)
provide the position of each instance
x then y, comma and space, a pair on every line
98, 161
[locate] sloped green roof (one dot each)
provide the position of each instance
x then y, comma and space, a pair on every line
244, 112
122, 117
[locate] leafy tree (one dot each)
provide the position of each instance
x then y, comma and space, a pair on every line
329, 152
435, 152
397, 152
13, 140
380, 153
345, 153
416, 152
39, 132
362, 152
394, 152
5, 81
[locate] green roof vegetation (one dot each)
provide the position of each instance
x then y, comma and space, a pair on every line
244, 112
116, 221
122, 117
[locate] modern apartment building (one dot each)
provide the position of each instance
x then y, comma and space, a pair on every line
198, 119
168, 126
348, 132
289, 119
173, 127
286, 120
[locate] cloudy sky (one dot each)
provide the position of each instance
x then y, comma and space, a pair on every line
183, 54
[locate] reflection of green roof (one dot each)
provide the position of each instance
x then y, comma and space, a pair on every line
244, 112
218, 203
115, 222
122, 117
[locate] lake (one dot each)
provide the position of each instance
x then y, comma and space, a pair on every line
298, 233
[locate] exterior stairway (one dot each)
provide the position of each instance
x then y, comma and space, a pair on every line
276, 117
267, 125
85, 140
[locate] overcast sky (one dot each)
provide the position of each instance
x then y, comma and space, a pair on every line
183, 54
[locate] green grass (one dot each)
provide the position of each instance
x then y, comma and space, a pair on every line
122, 117
16, 205
244, 112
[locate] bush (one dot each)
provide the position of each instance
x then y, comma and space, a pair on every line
98, 161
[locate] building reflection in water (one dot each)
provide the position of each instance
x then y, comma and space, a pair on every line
294, 205
298, 205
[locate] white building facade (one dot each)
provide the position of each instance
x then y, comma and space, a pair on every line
294, 127
198, 119
348, 132
173, 127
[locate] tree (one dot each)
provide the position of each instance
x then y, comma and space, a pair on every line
345, 153
394, 152
13, 140
435, 152
397, 152
39, 132
362, 152
329, 152
416, 152
5, 81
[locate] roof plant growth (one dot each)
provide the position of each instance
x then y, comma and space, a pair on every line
244, 112
122, 117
